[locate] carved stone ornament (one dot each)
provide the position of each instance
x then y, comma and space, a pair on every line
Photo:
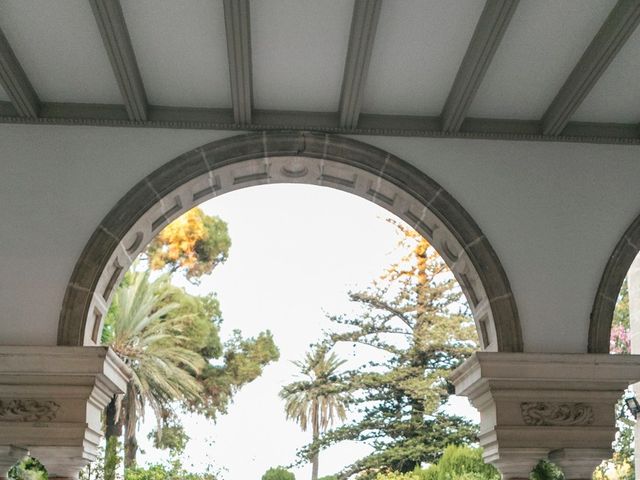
28, 410
556, 414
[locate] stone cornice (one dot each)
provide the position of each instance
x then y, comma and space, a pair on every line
52, 399
535, 370
73, 366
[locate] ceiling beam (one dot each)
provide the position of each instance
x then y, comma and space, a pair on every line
489, 31
15, 82
222, 119
110, 19
613, 34
238, 28
363, 30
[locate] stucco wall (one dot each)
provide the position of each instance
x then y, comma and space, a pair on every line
552, 211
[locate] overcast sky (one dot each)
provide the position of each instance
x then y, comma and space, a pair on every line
296, 252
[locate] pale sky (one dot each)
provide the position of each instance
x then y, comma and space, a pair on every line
296, 252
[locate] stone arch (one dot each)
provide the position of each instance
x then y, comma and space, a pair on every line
290, 157
604, 304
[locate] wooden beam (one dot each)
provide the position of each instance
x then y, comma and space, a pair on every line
15, 82
489, 31
238, 29
108, 14
613, 34
363, 30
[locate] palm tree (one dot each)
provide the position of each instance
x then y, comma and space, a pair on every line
145, 331
311, 402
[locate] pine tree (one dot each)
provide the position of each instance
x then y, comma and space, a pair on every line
415, 318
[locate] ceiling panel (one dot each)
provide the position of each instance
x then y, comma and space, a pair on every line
616, 96
299, 48
3, 96
417, 52
181, 51
60, 49
540, 48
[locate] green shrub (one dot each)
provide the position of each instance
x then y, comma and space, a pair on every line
546, 471
457, 463
28, 469
162, 472
399, 476
278, 473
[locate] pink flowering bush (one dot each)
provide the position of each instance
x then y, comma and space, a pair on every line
620, 341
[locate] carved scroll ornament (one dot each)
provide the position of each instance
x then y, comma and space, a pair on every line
556, 414
28, 410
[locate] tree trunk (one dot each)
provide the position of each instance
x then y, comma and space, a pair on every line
113, 430
130, 442
315, 424
421, 271
130, 451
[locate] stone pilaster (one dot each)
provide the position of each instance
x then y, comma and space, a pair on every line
51, 400
535, 406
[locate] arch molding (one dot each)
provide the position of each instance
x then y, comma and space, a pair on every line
290, 157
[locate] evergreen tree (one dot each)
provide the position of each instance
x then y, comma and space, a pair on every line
415, 319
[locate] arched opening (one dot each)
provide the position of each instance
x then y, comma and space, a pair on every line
293, 257
609, 287
613, 329
290, 157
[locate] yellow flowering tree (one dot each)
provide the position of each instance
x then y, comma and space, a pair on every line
194, 243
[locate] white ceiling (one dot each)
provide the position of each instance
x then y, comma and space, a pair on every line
299, 50
616, 96
181, 51
542, 44
416, 53
60, 49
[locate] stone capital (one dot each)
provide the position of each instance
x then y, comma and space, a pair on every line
51, 401
533, 404
579, 463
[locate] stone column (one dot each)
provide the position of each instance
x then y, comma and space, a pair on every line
51, 401
538, 406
